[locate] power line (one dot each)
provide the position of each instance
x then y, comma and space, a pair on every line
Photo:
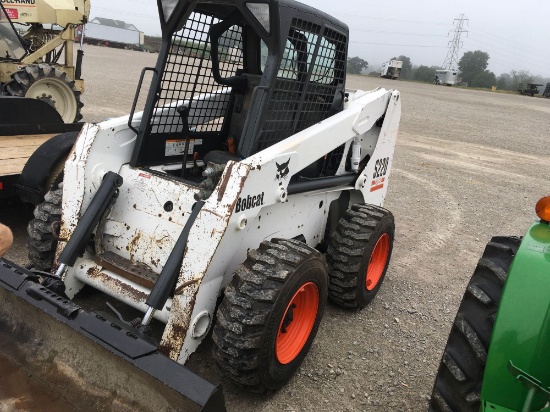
506, 41
395, 32
516, 67
124, 12
511, 54
393, 44
451, 60
517, 60
508, 62
387, 19
511, 48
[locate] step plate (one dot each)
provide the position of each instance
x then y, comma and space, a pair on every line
135, 272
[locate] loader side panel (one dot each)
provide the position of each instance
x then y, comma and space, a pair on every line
147, 218
100, 148
374, 179
251, 204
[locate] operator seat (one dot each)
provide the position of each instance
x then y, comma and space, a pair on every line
241, 106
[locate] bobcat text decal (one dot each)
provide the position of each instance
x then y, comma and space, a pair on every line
249, 202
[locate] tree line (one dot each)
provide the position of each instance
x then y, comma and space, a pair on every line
472, 70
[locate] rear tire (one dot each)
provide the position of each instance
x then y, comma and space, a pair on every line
42, 230
358, 255
45, 82
458, 381
270, 314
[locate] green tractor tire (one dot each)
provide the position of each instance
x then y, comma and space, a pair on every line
460, 376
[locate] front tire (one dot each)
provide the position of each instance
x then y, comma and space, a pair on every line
270, 314
358, 255
459, 379
42, 229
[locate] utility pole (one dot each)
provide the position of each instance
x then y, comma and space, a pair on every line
451, 60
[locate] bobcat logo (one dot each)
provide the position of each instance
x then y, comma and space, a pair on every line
282, 170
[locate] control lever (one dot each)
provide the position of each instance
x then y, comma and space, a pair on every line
183, 111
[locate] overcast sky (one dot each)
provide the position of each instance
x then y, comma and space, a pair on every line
515, 34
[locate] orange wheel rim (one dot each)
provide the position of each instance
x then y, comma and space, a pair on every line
377, 262
297, 323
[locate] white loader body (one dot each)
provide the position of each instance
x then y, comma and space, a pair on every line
249, 204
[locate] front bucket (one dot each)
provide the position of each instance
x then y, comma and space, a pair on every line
94, 363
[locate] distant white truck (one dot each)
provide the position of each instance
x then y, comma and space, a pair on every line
391, 69
446, 77
112, 32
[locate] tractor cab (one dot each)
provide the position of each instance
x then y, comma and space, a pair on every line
12, 47
235, 77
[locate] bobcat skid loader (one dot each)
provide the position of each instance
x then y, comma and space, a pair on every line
248, 191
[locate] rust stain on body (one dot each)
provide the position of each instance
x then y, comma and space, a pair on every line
212, 213
170, 348
117, 285
183, 305
223, 184
184, 285
133, 244
178, 326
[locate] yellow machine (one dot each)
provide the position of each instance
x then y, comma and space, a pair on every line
36, 52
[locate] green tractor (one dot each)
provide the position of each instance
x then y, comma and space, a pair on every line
497, 356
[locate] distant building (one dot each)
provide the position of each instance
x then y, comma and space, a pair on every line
116, 33
114, 23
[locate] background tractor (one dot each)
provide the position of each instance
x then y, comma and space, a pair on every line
529, 88
248, 190
496, 358
40, 88
36, 54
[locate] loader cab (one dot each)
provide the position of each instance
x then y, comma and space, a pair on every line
235, 77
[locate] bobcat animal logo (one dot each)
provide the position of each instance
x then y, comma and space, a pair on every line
282, 170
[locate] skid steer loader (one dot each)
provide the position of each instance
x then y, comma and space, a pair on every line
248, 190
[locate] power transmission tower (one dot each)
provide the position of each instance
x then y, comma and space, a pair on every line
451, 60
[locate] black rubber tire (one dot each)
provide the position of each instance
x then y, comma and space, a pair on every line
349, 252
254, 303
458, 381
42, 241
31, 74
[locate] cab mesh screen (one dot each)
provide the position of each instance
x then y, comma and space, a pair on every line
188, 76
312, 67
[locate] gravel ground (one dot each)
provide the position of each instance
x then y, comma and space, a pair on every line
468, 165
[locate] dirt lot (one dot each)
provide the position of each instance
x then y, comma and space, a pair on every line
468, 165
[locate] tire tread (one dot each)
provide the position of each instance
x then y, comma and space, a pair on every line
345, 251
23, 79
42, 242
247, 304
458, 381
